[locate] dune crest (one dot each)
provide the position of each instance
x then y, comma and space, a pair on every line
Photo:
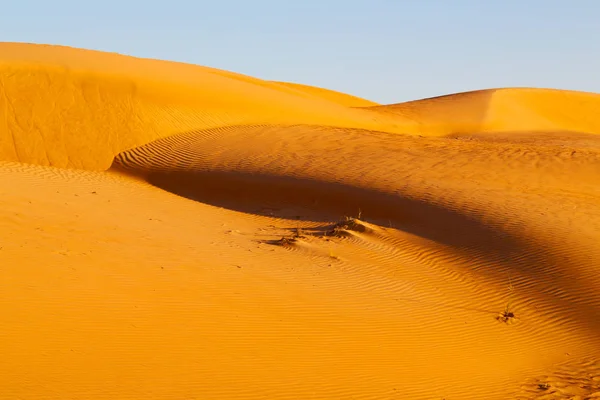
78, 108
337, 97
173, 231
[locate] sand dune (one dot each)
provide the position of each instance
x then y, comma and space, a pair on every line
503, 110
109, 103
217, 236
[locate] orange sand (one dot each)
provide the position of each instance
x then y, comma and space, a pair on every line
144, 203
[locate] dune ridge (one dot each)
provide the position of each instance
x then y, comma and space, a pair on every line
173, 231
151, 99
503, 110
109, 103
337, 97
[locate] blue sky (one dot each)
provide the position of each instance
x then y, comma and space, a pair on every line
384, 50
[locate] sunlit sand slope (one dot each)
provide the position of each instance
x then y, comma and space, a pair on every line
78, 108
256, 240
115, 289
498, 110
455, 224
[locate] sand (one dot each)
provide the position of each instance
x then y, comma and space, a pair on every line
171, 231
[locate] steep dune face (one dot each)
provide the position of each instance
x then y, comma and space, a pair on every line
503, 110
77, 108
254, 239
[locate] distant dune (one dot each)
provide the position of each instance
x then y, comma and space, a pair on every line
503, 110
172, 231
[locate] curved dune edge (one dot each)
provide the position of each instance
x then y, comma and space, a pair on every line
443, 209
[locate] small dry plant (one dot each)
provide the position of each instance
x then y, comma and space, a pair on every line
508, 316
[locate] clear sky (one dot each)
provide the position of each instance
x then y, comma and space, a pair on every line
384, 50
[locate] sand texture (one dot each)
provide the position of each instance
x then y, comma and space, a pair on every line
171, 231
